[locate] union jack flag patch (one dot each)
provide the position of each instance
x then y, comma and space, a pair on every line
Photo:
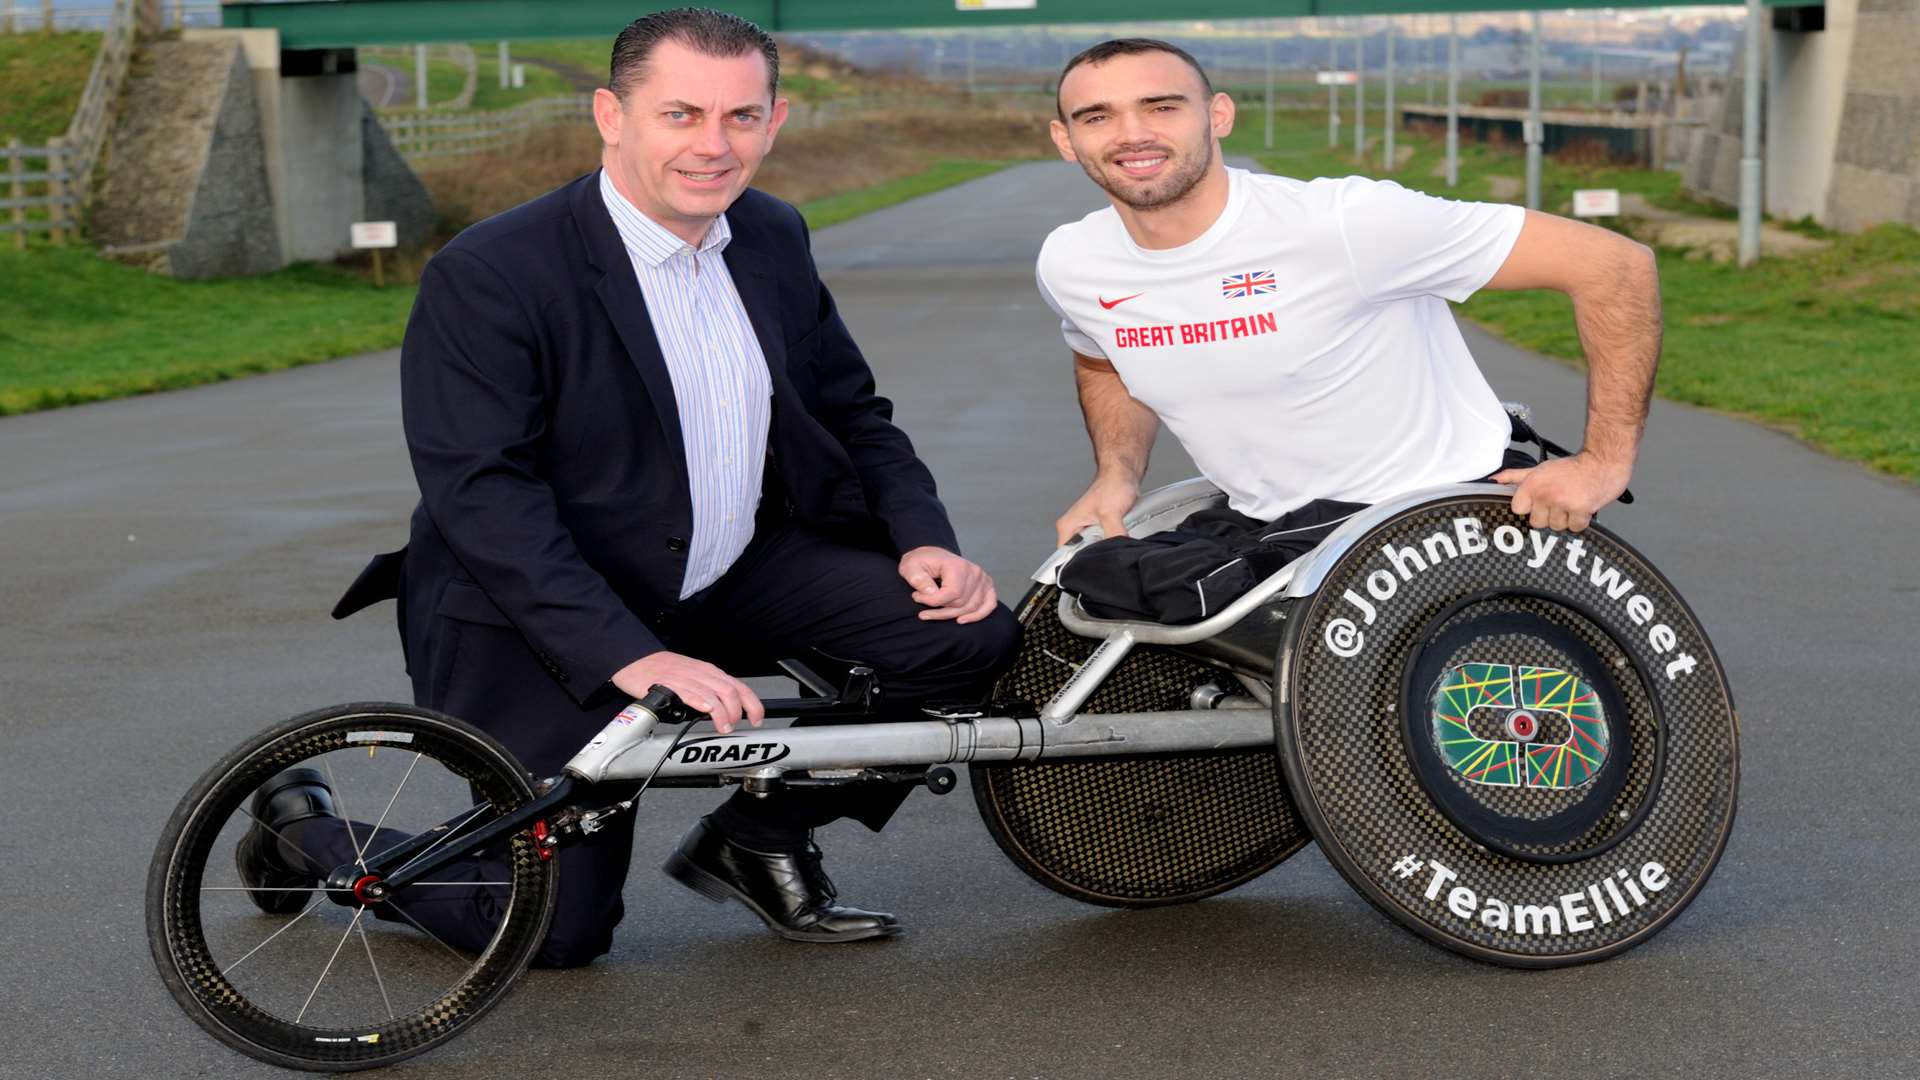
1252, 283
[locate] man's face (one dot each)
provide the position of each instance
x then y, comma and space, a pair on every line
686, 141
1142, 126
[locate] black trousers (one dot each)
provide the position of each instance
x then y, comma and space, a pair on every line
791, 591
1206, 562
1196, 568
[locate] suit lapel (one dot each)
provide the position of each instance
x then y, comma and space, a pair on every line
619, 292
753, 279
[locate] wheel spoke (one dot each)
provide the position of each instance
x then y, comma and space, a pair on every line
225, 971
451, 951
389, 808
345, 817
382, 983
450, 834
277, 888
329, 968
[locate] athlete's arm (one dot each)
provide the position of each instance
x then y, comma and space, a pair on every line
1615, 287
1122, 431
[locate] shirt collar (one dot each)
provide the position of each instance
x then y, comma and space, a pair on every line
646, 239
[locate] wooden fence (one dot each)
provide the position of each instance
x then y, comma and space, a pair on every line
426, 136
62, 188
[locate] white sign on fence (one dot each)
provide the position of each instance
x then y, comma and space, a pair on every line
1596, 202
1336, 78
519, 76
994, 5
374, 234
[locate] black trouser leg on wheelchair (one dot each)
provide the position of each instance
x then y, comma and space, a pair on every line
463, 914
795, 590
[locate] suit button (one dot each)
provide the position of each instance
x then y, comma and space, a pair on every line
676, 543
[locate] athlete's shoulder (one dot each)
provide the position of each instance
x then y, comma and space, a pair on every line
1311, 195
1074, 241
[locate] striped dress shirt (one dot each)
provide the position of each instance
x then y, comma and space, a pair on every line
720, 380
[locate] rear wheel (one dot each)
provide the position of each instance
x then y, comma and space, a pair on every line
1516, 743
1131, 831
335, 984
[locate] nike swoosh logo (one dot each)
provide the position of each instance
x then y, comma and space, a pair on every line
1111, 304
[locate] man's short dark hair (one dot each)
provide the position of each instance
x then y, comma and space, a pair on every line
704, 30
1128, 46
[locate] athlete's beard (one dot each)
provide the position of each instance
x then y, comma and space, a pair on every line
1178, 184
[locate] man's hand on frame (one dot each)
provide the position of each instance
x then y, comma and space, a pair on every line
1565, 493
702, 686
950, 586
1105, 504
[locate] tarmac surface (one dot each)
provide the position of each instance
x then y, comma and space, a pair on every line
170, 560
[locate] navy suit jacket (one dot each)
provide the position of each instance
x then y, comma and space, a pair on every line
544, 434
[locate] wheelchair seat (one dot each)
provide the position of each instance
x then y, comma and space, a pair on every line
1245, 636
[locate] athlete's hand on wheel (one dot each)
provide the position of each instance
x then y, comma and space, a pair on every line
1565, 493
700, 685
1105, 504
950, 586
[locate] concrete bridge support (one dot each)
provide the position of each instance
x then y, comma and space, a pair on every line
329, 163
1842, 139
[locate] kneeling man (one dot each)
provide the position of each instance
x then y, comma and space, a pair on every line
649, 450
1295, 337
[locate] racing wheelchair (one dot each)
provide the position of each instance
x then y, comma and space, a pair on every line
1517, 743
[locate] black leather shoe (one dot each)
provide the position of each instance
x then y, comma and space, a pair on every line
790, 892
279, 880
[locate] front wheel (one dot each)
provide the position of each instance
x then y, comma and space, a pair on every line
331, 983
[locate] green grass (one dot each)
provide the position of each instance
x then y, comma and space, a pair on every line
445, 77
41, 78
593, 54
833, 209
540, 82
76, 328
1820, 345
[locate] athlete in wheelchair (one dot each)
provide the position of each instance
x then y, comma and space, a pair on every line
1501, 724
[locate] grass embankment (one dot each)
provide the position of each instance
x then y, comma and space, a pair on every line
41, 77
1819, 345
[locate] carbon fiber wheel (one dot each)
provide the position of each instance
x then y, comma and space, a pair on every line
1517, 743
1131, 831
334, 984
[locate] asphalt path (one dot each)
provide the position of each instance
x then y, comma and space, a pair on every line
384, 85
169, 562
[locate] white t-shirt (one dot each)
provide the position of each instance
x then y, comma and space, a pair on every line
1301, 348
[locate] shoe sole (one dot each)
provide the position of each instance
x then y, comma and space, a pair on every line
682, 869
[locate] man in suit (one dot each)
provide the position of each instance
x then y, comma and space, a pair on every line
640, 429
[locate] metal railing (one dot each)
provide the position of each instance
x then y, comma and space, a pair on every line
62, 187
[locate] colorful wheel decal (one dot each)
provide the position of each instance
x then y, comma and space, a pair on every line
1517, 698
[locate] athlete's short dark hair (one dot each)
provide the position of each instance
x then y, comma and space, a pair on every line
704, 30
1128, 46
